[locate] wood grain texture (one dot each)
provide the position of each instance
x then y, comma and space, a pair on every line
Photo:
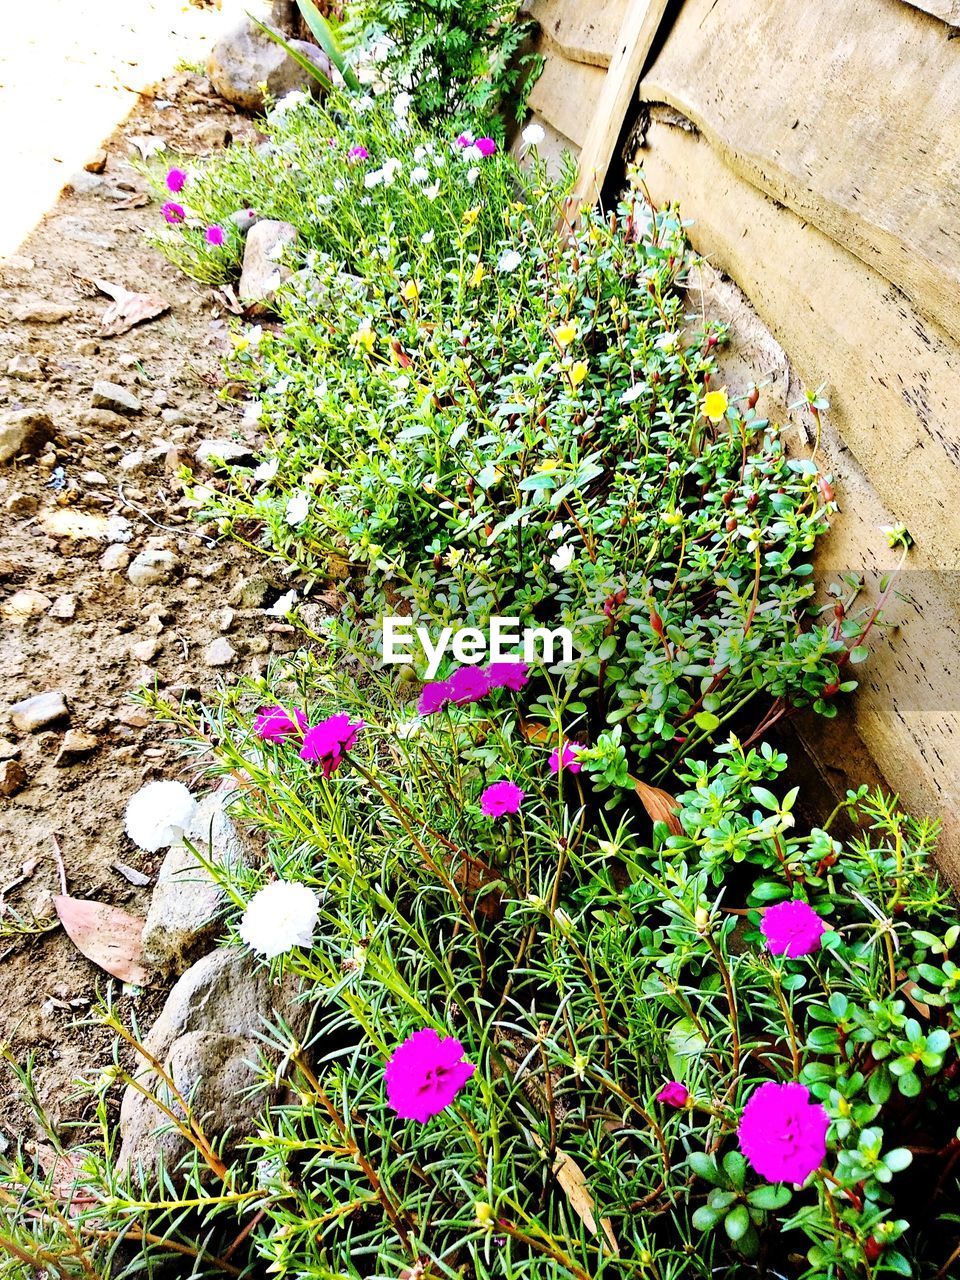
946, 10
566, 96
848, 118
894, 387
578, 31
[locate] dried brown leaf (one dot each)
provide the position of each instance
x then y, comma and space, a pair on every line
128, 309
573, 1183
107, 936
660, 805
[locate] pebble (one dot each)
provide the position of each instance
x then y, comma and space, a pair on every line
39, 711
87, 347
25, 367
115, 558
64, 607
134, 717
93, 477
13, 777
114, 398
178, 418
26, 604
154, 624
146, 650
250, 593
97, 162
41, 312
8, 749
23, 432
22, 504
152, 567
219, 653
225, 618
213, 453
75, 745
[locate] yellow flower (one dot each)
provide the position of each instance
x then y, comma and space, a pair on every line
578, 371
548, 466
364, 337
410, 291
454, 556
478, 274
715, 405
470, 217
565, 334
485, 1217
316, 475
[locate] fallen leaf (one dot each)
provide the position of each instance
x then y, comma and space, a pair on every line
63, 1171
128, 308
573, 1182
131, 873
107, 936
148, 144
135, 201
660, 805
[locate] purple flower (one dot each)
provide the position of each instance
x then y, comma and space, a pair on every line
214, 235
674, 1094
568, 760
326, 742
792, 929
355, 154
500, 798
425, 1074
176, 181
486, 146
433, 696
507, 675
273, 724
782, 1133
173, 213
465, 140
468, 684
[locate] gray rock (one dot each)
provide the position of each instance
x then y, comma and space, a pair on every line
263, 271
25, 367
204, 1037
115, 558
245, 58
152, 567
251, 593
114, 398
39, 711
211, 453
24, 431
219, 653
144, 461
184, 915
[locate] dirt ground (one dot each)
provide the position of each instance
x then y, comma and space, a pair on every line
94, 635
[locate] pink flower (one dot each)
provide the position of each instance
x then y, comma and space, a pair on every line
356, 154
465, 140
326, 742
569, 759
433, 696
214, 235
468, 684
273, 724
500, 798
176, 181
425, 1074
507, 675
674, 1094
782, 1133
792, 929
173, 213
486, 146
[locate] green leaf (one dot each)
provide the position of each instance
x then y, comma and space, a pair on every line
898, 1159
328, 42
707, 721
737, 1222
705, 1218
704, 1166
735, 1167
310, 67
770, 1197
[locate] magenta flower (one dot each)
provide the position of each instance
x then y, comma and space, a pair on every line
500, 798
214, 235
782, 1133
273, 724
468, 684
465, 140
507, 675
486, 146
792, 929
173, 213
425, 1074
569, 759
355, 154
176, 181
326, 742
433, 696
674, 1094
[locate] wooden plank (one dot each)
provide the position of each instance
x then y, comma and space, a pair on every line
576, 31
894, 386
849, 120
639, 27
566, 95
946, 10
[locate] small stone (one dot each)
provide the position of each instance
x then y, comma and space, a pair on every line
24, 431
213, 453
152, 567
154, 624
245, 60
75, 746
97, 162
117, 399
115, 558
39, 711
26, 604
225, 618
219, 653
100, 419
250, 593
25, 367
85, 184
64, 607
93, 477
42, 312
178, 418
8, 750
13, 777
263, 271
146, 650
134, 717
144, 461
87, 347
22, 504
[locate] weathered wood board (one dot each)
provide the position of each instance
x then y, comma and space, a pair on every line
578, 31
565, 96
846, 114
894, 387
946, 10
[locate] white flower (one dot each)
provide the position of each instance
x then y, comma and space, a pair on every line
362, 105
391, 168
298, 508
420, 153
280, 916
432, 192
420, 175
533, 135
158, 814
283, 606
252, 413
634, 393
338, 184
254, 334
562, 557
266, 471
472, 175
509, 260
428, 237
558, 531
472, 154
401, 105
373, 178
